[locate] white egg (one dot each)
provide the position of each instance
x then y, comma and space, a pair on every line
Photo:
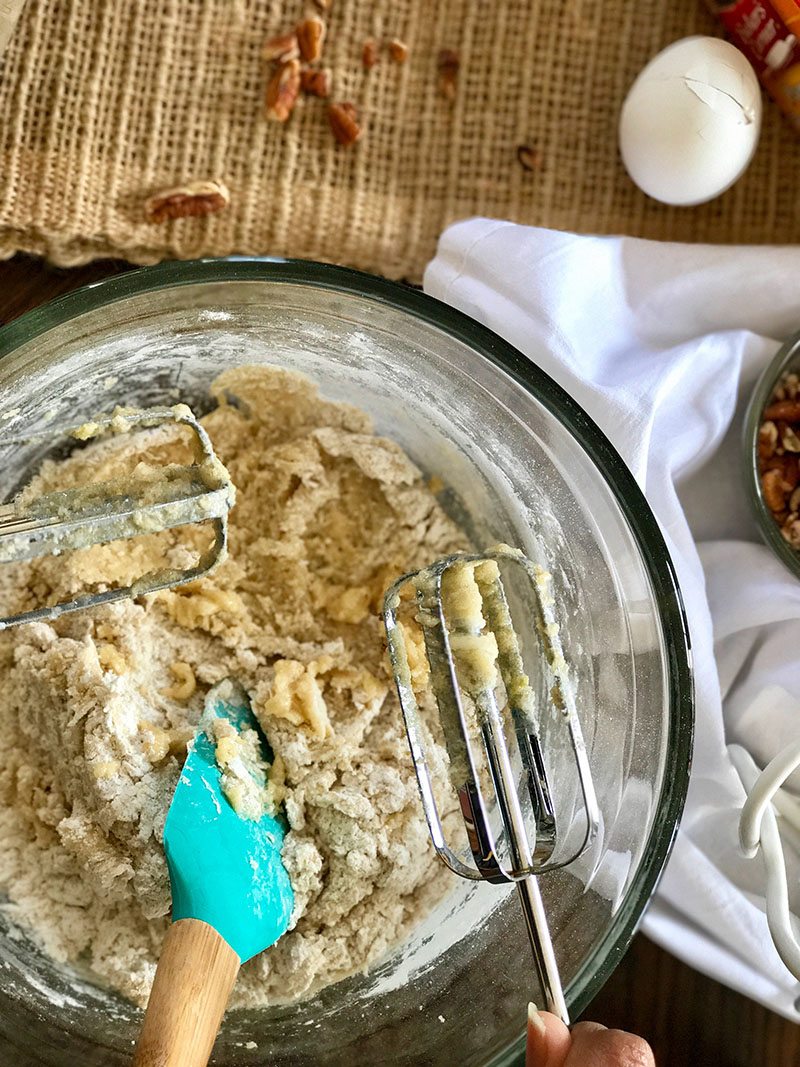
690, 123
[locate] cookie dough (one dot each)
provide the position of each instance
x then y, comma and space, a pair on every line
98, 707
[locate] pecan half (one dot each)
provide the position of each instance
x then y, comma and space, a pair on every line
283, 90
192, 200
369, 53
529, 158
448, 64
767, 440
345, 123
398, 50
789, 439
775, 490
310, 37
784, 410
281, 48
788, 465
316, 82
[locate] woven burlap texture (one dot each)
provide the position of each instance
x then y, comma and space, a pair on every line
103, 102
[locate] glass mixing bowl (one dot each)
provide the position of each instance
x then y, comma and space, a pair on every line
523, 464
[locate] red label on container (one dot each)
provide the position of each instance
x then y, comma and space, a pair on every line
761, 34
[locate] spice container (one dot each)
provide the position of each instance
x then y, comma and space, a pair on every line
772, 454
766, 31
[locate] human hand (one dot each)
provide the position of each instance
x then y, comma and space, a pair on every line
551, 1044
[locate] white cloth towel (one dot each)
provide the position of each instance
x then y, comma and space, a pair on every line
662, 344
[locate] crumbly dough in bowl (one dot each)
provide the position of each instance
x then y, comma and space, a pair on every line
97, 708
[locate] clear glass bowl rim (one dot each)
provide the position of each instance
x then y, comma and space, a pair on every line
647, 534
787, 355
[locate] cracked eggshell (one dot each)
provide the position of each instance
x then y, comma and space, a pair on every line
690, 123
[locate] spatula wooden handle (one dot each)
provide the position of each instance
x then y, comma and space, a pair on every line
193, 983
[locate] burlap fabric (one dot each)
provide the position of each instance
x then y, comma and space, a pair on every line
104, 101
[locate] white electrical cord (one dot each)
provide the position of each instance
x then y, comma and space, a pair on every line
758, 829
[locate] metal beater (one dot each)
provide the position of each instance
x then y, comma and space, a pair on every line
491, 727
155, 500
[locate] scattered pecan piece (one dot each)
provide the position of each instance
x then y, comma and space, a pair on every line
310, 38
369, 53
398, 50
529, 157
344, 123
281, 48
283, 90
316, 82
187, 201
323, 5
448, 64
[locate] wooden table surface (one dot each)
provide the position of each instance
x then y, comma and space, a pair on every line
689, 1020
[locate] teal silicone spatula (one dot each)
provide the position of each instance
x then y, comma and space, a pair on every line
231, 899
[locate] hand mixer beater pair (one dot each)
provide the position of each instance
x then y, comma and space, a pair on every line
454, 615
458, 612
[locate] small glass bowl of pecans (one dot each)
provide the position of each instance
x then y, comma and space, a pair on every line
772, 442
